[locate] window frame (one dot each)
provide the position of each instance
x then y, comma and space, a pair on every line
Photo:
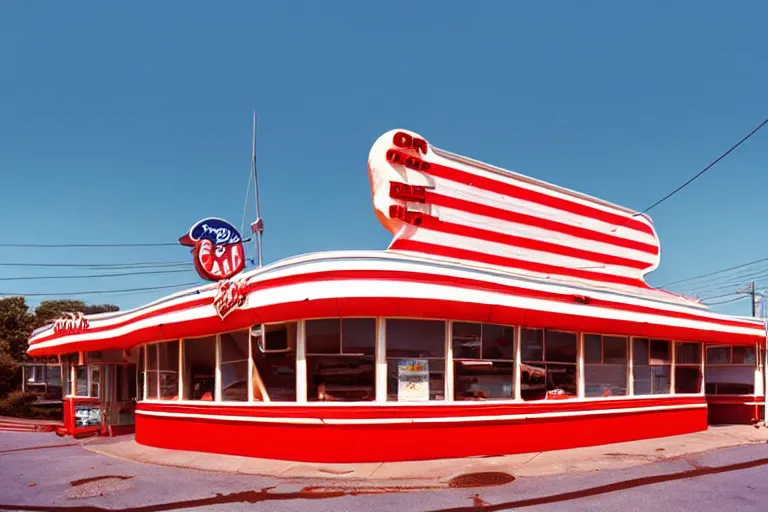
628, 375
753, 366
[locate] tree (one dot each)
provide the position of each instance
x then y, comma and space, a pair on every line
15, 327
50, 310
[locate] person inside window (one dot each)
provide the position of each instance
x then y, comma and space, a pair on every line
322, 391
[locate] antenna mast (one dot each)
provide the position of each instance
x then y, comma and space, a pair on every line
257, 227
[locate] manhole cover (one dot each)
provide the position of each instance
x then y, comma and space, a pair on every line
481, 479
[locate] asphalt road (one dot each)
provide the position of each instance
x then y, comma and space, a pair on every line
41, 472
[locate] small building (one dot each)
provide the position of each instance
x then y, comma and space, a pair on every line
508, 315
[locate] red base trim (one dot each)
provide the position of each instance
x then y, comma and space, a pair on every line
735, 409
381, 442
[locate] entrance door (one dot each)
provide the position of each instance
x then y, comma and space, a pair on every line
119, 393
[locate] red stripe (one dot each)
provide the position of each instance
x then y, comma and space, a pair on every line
537, 222
420, 277
398, 307
491, 185
528, 243
503, 261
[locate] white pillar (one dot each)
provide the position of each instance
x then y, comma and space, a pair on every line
581, 387
301, 362
381, 360
217, 378
449, 360
518, 363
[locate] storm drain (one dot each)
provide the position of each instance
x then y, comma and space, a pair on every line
484, 479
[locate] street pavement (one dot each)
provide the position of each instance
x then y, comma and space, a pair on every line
42, 472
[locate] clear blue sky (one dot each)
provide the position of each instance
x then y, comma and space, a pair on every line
127, 122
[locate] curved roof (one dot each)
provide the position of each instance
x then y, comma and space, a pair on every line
391, 283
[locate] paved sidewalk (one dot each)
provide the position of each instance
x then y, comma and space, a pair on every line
438, 473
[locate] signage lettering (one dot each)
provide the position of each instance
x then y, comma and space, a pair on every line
407, 141
217, 248
230, 295
71, 323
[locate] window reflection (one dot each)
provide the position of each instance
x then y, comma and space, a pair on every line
651, 366
340, 359
605, 365
415, 359
274, 362
483, 361
730, 370
199, 369
548, 368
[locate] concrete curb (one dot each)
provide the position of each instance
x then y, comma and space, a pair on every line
411, 475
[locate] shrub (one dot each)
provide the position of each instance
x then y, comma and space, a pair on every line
9, 373
18, 404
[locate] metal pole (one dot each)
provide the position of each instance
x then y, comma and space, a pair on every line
257, 228
752, 293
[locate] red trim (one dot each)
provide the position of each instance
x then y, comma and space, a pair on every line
397, 307
414, 277
491, 185
346, 443
538, 222
435, 224
734, 409
503, 261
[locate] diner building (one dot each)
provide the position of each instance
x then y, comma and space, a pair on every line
507, 316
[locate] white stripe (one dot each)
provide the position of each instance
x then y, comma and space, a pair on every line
538, 234
461, 163
400, 421
508, 251
519, 206
379, 288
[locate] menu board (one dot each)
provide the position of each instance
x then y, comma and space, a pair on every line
87, 415
413, 380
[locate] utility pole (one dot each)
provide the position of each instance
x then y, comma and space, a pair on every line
257, 227
752, 294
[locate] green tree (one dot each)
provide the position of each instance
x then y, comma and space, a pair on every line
15, 326
50, 310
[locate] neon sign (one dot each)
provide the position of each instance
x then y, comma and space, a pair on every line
218, 248
230, 295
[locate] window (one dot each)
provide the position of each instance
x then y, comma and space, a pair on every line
730, 370
688, 368
234, 366
274, 362
95, 379
415, 360
163, 371
605, 365
548, 366
199, 357
81, 380
140, 374
340, 359
484, 361
651, 366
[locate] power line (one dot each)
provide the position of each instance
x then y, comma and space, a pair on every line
715, 272
69, 246
93, 276
144, 264
681, 187
95, 292
727, 301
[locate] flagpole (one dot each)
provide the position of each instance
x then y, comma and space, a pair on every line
257, 228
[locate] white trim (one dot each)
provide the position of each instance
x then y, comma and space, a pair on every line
390, 421
217, 371
432, 403
301, 362
250, 364
180, 391
448, 383
581, 385
381, 360
518, 363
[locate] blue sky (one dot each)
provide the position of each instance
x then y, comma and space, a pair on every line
129, 122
